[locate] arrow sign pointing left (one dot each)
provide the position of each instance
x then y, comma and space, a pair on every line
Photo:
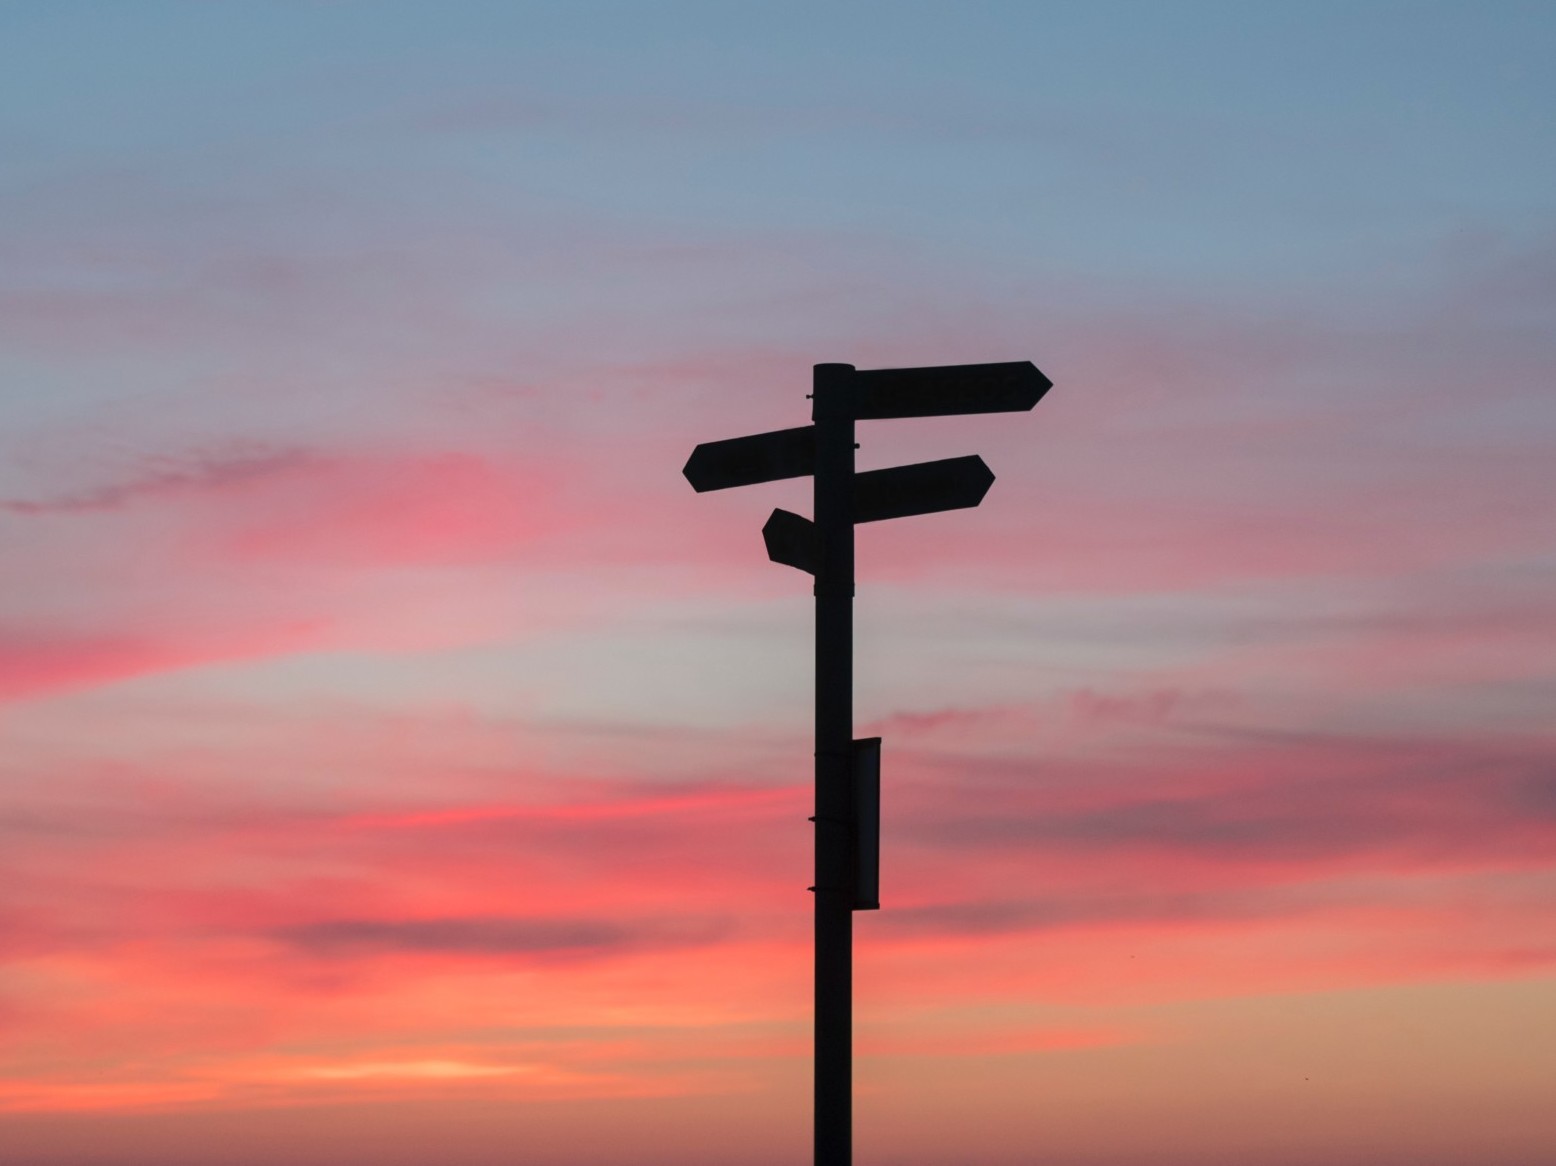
791, 540
953, 484
745, 461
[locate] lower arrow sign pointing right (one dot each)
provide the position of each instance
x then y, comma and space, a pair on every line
954, 483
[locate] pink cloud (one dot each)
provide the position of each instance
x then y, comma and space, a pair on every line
36, 664
205, 932
1116, 839
381, 512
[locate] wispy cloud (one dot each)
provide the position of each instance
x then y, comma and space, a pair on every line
539, 936
165, 477
41, 663
1283, 802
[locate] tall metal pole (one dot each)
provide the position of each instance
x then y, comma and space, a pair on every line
832, 411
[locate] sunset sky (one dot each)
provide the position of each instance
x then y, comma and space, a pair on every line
401, 766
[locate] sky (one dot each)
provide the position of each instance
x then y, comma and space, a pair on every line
400, 763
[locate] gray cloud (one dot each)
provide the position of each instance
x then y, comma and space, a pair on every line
162, 476
498, 935
1435, 802
999, 916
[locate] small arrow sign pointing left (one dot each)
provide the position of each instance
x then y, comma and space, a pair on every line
745, 461
791, 540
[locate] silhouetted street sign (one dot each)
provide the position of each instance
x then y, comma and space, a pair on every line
791, 540
923, 488
847, 770
943, 390
867, 824
745, 461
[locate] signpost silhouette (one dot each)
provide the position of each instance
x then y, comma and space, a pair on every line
847, 802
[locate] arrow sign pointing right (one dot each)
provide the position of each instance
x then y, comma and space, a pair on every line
923, 488
953, 484
745, 461
942, 390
